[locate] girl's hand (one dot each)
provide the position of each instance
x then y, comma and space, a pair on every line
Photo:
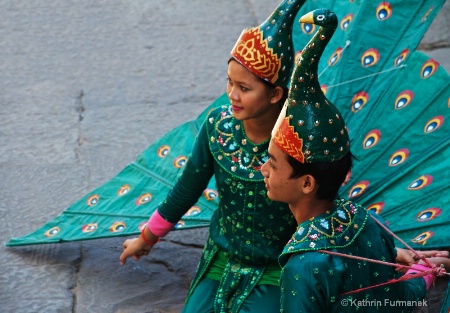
135, 247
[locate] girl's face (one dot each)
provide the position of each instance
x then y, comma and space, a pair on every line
250, 98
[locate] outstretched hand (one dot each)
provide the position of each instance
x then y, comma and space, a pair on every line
408, 257
136, 248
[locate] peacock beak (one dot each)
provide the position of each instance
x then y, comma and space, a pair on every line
307, 18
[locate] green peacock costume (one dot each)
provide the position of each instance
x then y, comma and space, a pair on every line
311, 130
396, 104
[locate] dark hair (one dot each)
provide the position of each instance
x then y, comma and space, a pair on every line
329, 175
269, 85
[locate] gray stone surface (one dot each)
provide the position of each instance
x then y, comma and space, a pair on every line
85, 86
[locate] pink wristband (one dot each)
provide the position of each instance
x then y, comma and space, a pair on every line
158, 225
420, 268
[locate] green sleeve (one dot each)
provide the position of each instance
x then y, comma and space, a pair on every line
304, 284
193, 181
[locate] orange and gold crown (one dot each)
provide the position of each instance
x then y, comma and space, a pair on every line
267, 50
253, 51
286, 138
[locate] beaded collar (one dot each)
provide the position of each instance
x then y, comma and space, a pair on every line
336, 228
231, 148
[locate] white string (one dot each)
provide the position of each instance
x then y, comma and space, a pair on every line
363, 77
347, 43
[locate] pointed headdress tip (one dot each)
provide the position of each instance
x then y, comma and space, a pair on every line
310, 128
267, 50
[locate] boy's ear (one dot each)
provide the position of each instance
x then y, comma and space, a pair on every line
308, 184
277, 94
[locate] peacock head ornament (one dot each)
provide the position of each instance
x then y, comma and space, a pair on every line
267, 50
310, 128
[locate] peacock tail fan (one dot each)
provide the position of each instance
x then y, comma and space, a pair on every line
122, 206
396, 104
395, 101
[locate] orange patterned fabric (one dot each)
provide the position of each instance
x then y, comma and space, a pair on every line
288, 140
253, 51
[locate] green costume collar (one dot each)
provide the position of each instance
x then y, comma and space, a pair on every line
336, 228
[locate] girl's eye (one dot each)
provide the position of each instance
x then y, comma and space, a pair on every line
244, 88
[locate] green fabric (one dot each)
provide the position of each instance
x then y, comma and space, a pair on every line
251, 229
388, 104
263, 298
313, 281
271, 275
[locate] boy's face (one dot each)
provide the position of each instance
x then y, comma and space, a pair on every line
276, 172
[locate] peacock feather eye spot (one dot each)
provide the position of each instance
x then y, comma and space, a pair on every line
180, 225
210, 194
423, 237
117, 227
425, 16
193, 211
398, 157
402, 57
433, 124
358, 189
123, 190
359, 100
376, 208
403, 99
345, 22
370, 57
180, 161
429, 68
335, 57
143, 199
308, 28
384, 11
89, 228
372, 138
93, 200
428, 214
421, 182
163, 151
52, 231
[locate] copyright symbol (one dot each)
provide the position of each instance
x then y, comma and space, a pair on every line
344, 302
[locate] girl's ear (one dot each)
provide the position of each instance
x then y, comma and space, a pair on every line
277, 95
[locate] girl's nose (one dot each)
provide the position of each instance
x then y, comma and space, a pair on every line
264, 172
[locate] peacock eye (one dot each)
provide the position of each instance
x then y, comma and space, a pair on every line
320, 17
